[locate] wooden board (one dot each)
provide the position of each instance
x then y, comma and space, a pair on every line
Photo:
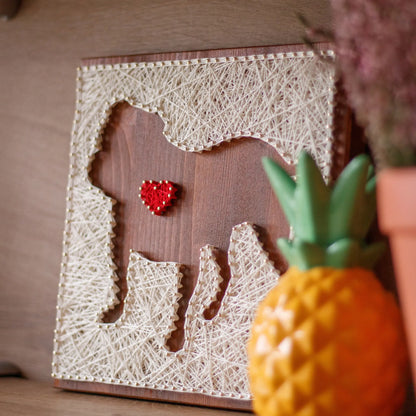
41, 49
218, 189
21, 397
35, 123
27, 397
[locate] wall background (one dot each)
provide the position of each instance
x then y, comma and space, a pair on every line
40, 50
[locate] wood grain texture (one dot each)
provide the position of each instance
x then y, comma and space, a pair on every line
40, 51
205, 53
19, 397
156, 395
218, 190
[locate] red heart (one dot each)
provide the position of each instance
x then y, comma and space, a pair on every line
157, 196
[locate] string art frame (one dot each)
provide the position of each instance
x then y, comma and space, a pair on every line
129, 357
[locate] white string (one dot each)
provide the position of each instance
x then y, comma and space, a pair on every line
284, 100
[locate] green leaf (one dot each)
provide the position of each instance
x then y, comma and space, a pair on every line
348, 200
329, 225
302, 254
312, 200
370, 203
343, 253
288, 251
284, 187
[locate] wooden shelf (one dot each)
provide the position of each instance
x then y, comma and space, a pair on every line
21, 397
25, 397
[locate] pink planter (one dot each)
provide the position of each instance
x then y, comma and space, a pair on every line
396, 203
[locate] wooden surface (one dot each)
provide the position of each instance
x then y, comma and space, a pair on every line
19, 397
218, 189
39, 53
155, 395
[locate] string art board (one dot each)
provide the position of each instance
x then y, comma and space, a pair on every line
159, 306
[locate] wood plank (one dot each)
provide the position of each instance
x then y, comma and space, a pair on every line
41, 49
20, 397
156, 395
218, 189
209, 53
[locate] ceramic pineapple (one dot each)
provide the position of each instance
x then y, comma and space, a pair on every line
328, 339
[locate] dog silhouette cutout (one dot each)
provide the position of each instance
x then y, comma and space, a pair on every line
217, 190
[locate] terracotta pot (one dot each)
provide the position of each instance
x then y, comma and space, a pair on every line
396, 203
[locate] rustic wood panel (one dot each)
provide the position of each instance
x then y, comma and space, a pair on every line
156, 395
211, 53
41, 49
22, 397
19, 397
218, 189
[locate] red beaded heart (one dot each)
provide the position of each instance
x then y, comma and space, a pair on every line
157, 196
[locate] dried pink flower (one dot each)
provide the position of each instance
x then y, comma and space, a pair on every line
376, 48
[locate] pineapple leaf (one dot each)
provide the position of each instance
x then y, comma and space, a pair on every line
284, 187
371, 172
312, 200
287, 250
348, 200
370, 204
302, 254
329, 225
343, 253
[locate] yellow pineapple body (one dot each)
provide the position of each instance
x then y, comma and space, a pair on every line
327, 341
